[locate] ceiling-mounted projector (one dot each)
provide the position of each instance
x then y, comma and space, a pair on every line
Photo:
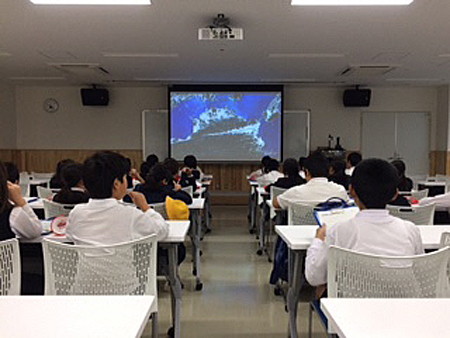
220, 30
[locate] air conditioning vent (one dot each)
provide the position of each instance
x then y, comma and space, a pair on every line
81, 69
220, 34
367, 70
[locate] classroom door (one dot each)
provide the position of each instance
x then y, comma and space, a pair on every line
402, 136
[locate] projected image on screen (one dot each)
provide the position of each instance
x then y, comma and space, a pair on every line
226, 126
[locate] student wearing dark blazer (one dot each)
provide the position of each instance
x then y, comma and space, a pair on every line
292, 177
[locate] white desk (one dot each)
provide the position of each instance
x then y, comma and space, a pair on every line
387, 318
74, 316
299, 237
196, 207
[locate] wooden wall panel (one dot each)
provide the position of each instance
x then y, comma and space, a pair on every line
11, 155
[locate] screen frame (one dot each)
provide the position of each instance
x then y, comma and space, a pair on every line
226, 88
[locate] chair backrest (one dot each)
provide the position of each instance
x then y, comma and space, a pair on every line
53, 209
10, 277
189, 189
42, 176
301, 214
46, 193
276, 191
120, 269
419, 194
445, 240
416, 179
419, 215
161, 209
358, 275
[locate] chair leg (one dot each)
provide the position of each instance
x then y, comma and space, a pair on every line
155, 324
310, 320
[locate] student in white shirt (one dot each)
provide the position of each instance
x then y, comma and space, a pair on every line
352, 160
103, 220
317, 188
257, 173
17, 219
372, 230
272, 174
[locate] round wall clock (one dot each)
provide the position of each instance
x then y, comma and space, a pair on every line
51, 105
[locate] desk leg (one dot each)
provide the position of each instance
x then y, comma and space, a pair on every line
261, 230
207, 210
253, 211
195, 233
175, 288
295, 283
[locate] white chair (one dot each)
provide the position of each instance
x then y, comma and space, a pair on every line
301, 214
419, 194
10, 277
119, 269
445, 239
42, 176
189, 189
420, 215
44, 193
161, 209
53, 209
24, 182
357, 275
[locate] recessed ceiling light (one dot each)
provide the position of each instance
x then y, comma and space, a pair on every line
351, 2
91, 2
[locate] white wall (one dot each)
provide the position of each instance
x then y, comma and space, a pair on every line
118, 126
8, 134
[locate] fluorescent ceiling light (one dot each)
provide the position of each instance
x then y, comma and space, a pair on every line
91, 2
140, 55
305, 55
412, 80
351, 2
37, 78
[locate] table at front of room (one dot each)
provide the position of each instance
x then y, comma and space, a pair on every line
298, 239
177, 234
387, 317
195, 232
74, 316
434, 187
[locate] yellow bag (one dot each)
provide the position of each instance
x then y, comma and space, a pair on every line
176, 210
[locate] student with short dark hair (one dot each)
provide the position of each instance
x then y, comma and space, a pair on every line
191, 168
291, 176
271, 173
73, 191
404, 183
317, 188
103, 220
16, 216
373, 230
262, 168
56, 180
336, 173
152, 159
12, 172
352, 161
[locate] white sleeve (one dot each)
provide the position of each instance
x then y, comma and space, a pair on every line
151, 222
287, 198
441, 201
24, 222
316, 263
417, 241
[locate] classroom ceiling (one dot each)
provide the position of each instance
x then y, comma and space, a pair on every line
282, 43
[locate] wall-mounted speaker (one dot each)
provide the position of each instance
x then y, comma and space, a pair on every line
94, 97
357, 97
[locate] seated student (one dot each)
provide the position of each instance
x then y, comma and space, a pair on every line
373, 230
159, 185
73, 190
352, 160
56, 180
191, 168
184, 180
16, 216
103, 220
151, 160
271, 173
317, 188
261, 171
336, 172
12, 172
301, 167
404, 183
292, 177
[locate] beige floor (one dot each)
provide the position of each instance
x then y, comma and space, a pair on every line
236, 300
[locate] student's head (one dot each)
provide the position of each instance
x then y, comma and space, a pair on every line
61, 164
354, 158
272, 165
265, 161
400, 166
374, 183
4, 200
190, 161
301, 163
71, 175
158, 177
316, 165
151, 160
337, 167
290, 167
104, 175
145, 168
12, 172
171, 164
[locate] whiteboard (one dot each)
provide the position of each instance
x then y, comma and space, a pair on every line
155, 133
